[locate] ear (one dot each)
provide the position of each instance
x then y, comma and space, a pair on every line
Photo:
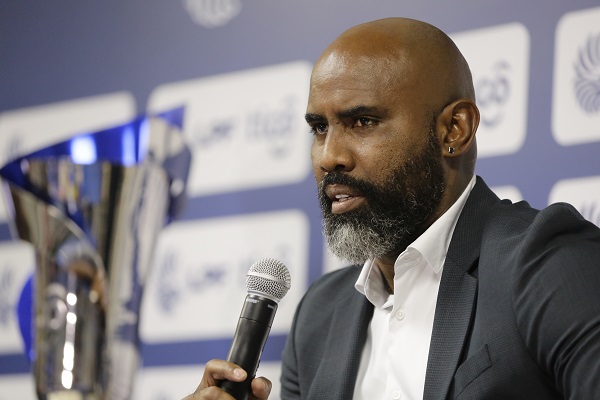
457, 124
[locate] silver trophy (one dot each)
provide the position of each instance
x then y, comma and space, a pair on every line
92, 207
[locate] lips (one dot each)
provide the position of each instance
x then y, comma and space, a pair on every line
343, 198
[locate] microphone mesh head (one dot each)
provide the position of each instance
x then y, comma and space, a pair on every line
268, 277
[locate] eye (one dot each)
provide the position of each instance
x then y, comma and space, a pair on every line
318, 129
364, 121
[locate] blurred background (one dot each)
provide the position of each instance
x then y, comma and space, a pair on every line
241, 69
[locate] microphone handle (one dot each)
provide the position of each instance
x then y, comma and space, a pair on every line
249, 341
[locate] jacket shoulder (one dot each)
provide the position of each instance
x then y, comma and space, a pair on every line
339, 279
537, 227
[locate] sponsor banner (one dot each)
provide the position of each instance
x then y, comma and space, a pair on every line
246, 129
499, 60
25, 130
582, 193
28, 129
198, 287
21, 387
576, 96
508, 192
170, 383
17, 263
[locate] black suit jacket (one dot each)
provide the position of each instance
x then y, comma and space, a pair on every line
517, 315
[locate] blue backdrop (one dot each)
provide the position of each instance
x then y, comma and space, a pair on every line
241, 68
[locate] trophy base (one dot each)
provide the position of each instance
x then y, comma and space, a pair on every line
70, 395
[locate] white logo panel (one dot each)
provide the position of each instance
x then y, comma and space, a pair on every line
20, 387
198, 284
17, 263
246, 129
28, 129
576, 97
581, 193
168, 383
499, 60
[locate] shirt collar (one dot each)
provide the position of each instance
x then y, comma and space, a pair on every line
434, 242
432, 245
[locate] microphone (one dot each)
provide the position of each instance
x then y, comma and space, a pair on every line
267, 281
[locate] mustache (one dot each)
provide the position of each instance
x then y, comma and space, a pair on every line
362, 187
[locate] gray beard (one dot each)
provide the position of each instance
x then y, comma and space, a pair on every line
356, 244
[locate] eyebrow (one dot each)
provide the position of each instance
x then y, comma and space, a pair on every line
352, 112
358, 111
311, 117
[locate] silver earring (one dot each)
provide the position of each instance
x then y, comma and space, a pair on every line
451, 150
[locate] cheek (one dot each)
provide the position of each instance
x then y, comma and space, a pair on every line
316, 162
382, 160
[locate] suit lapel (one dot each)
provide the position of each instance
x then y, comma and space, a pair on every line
337, 372
452, 318
457, 294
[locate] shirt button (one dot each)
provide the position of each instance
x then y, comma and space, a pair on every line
400, 314
396, 395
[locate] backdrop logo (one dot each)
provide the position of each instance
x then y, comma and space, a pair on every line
275, 128
250, 121
499, 60
212, 13
219, 132
174, 283
177, 281
272, 129
17, 260
207, 278
576, 89
587, 75
167, 293
493, 92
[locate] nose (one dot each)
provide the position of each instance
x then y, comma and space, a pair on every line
332, 152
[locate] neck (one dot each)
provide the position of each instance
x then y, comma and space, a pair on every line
386, 266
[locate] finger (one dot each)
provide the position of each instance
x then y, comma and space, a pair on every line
261, 388
210, 393
218, 370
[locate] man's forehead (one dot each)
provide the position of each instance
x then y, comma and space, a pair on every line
345, 97
362, 67
342, 91
346, 83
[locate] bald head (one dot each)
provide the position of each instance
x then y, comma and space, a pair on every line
405, 52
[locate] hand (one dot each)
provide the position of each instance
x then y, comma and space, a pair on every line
218, 370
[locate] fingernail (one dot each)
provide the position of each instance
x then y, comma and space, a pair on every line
239, 373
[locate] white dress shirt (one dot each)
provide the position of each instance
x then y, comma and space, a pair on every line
394, 359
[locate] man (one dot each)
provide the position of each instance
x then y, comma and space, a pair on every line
462, 295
